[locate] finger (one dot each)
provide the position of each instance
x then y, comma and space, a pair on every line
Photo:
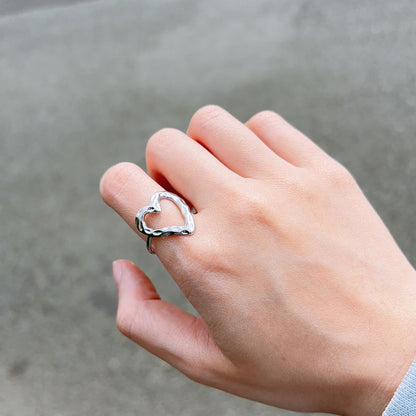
187, 166
286, 141
163, 329
126, 188
233, 143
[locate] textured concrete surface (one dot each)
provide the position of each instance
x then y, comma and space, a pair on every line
83, 87
19, 6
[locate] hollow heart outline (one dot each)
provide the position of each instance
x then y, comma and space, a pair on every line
155, 208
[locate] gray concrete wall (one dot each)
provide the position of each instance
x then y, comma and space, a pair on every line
20, 6
83, 87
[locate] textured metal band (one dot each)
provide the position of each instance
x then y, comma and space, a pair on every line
154, 208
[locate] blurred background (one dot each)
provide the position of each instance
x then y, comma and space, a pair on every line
84, 84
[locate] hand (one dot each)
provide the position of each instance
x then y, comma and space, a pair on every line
305, 300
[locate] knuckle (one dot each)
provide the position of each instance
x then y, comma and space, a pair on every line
339, 176
160, 140
202, 367
254, 207
204, 117
115, 179
200, 257
204, 254
124, 323
198, 372
254, 202
267, 117
189, 252
192, 369
305, 186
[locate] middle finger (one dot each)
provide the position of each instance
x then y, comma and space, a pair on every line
234, 144
188, 168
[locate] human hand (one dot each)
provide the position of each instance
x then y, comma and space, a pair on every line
305, 300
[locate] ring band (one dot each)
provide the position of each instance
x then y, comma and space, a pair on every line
155, 208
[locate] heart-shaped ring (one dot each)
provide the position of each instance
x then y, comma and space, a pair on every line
154, 208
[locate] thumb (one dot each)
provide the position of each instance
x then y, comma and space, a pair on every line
165, 330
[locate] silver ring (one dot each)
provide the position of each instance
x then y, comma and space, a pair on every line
154, 208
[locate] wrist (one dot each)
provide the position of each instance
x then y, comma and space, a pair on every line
382, 394
375, 394
390, 354
381, 378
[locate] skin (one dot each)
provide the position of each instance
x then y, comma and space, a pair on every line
305, 301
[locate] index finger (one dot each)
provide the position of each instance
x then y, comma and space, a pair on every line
126, 188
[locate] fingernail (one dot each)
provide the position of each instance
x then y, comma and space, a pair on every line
117, 272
